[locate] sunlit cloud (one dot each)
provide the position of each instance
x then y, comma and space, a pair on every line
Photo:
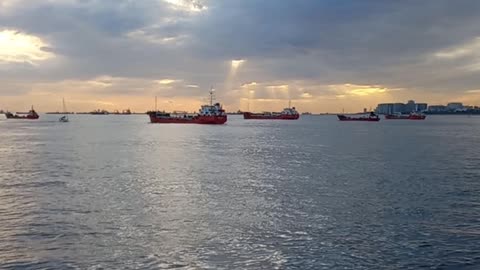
278, 87
99, 83
102, 103
237, 63
249, 85
167, 81
147, 37
306, 95
462, 50
192, 86
186, 5
357, 90
5, 5
476, 91
102, 81
19, 47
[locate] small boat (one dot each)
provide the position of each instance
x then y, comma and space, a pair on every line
64, 118
372, 117
289, 113
411, 116
211, 114
30, 115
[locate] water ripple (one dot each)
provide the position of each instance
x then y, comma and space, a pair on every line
116, 193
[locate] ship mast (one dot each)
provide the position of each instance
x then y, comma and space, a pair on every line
156, 104
211, 95
64, 107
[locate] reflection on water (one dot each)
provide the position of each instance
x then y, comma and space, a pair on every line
116, 192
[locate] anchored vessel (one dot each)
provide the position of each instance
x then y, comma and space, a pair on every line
412, 116
30, 115
212, 114
372, 117
287, 114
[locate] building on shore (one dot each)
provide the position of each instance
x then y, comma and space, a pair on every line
412, 106
421, 107
455, 106
437, 108
393, 108
451, 107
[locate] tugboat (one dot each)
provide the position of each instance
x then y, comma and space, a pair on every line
289, 113
411, 116
211, 114
31, 115
372, 117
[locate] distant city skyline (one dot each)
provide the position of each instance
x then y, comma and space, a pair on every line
324, 56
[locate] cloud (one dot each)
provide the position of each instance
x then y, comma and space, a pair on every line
186, 5
167, 81
19, 47
312, 48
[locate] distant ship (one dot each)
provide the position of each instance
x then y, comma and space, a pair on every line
30, 115
372, 117
287, 114
211, 114
412, 116
127, 111
99, 112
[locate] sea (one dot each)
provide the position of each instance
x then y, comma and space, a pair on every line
116, 192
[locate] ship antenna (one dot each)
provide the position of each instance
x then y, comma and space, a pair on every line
156, 104
289, 103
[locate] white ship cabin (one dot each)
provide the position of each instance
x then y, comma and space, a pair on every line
212, 110
290, 111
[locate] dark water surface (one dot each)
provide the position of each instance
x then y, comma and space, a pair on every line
115, 192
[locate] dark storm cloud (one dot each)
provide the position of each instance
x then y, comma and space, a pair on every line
392, 43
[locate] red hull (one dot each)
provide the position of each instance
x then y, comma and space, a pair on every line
364, 119
405, 117
206, 120
258, 116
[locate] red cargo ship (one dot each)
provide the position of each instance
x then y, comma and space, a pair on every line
372, 117
212, 114
412, 116
31, 115
286, 114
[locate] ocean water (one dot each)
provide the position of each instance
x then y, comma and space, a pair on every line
115, 192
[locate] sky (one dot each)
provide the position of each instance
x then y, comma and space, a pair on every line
323, 55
